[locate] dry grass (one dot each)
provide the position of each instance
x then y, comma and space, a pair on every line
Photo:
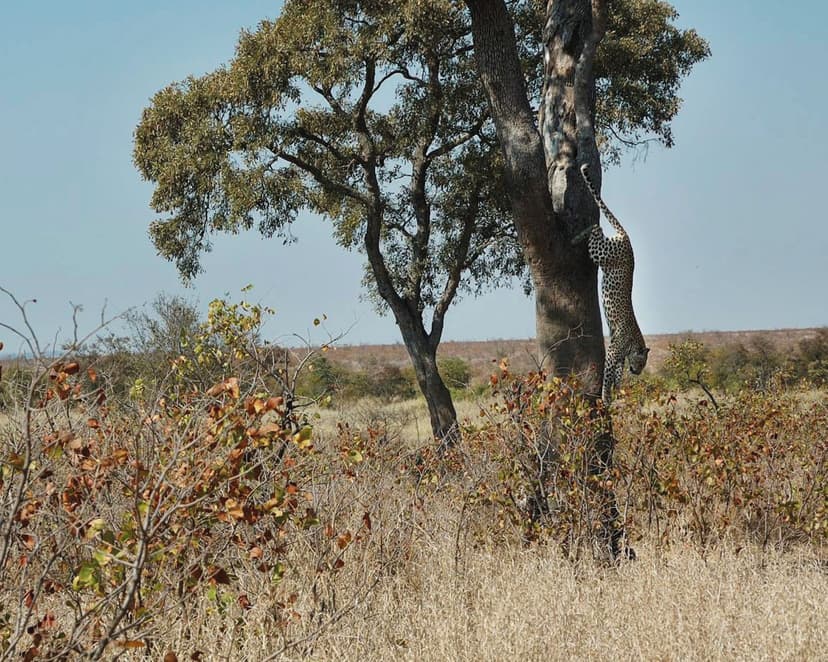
530, 606
432, 579
509, 604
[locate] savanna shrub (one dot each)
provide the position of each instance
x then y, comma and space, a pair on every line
554, 478
150, 340
811, 359
120, 517
391, 382
323, 379
755, 469
329, 382
455, 372
734, 367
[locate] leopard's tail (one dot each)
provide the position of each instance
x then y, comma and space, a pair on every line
601, 204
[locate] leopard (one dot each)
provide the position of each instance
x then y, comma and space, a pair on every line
614, 255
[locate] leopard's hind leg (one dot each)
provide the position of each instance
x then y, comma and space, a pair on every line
613, 371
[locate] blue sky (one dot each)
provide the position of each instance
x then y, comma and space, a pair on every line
729, 228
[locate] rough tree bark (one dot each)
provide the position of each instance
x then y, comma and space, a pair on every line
550, 204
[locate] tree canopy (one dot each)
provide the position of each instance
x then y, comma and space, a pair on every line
371, 113
337, 107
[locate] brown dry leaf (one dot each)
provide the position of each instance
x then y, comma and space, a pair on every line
270, 428
273, 403
131, 643
344, 540
218, 575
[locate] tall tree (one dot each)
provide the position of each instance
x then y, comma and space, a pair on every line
371, 113
368, 113
607, 81
543, 153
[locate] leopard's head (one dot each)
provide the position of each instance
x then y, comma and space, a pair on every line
638, 359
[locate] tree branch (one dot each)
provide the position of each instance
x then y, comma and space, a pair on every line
375, 211
319, 140
420, 163
456, 270
322, 179
401, 71
461, 139
327, 94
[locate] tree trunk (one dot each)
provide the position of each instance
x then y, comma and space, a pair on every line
550, 203
567, 313
423, 354
421, 346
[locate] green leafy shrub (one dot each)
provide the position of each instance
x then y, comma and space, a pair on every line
731, 368
455, 372
323, 379
811, 360
390, 382
754, 470
342, 385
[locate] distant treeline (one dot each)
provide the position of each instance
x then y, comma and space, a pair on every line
172, 330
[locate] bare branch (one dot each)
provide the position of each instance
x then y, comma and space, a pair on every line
456, 269
321, 178
461, 139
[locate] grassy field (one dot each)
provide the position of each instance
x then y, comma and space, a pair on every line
513, 604
215, 524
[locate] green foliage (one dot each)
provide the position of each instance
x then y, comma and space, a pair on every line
756, 366
152, 340
296, 121
372, 115
687, 363
322, 379
455, 372
334, 383
639, 66
391, 382
811, 360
